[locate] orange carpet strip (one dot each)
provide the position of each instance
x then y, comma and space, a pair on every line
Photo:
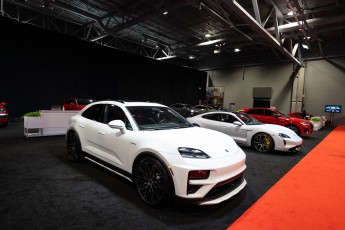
311, 196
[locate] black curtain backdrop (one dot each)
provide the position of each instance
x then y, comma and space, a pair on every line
41, 68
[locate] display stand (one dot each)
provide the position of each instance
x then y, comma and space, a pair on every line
51, 122
215, 96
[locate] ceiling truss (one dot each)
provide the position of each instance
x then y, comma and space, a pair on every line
262, 30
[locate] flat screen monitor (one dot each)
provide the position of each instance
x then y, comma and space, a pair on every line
333, 108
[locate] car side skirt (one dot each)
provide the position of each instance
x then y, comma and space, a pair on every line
109, 167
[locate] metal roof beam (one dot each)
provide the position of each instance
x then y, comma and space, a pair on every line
139, 20
315, 22
240, 11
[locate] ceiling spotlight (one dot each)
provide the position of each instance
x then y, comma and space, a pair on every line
216, 51
305, 45
165, 12
191, 56
236, 50
290, 13
207, 35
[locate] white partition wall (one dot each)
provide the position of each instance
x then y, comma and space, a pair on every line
51, 122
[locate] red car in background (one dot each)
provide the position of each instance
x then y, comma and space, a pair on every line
3, 114
299, 115
273, 116
76, 103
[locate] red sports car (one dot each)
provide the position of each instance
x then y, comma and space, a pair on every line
76, 103
273, 116
3, 114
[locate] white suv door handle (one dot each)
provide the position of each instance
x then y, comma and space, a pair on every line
100, 132
83, 126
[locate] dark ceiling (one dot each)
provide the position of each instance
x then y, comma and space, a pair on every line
261, 29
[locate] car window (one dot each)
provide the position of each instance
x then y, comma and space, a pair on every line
267, 112
113, 112
213, 116
276, 114
94, 112
247, 119
157, 118
227, 118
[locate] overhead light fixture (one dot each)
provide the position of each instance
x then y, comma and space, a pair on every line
207, 35
210, 42
165, 12
164, 58
191, 57
290, 13
216, 51
236, 50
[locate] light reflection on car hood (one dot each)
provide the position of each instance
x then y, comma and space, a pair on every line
275, 129
213, 143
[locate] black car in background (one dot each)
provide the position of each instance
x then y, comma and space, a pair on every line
185, 110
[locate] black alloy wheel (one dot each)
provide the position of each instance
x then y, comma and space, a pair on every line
262, 142
294, 128
74, 152
152, 182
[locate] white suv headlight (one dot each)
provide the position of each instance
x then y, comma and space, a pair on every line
192, 153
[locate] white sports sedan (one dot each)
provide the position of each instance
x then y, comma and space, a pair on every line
158, 150
248, 131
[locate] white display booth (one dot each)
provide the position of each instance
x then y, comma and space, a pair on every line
51, 122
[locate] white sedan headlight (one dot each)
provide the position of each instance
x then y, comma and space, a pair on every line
192, 153
283, 135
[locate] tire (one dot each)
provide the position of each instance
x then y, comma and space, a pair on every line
152, 182
74, 152
294, 128
263, 142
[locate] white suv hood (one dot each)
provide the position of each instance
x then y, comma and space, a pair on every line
213, 143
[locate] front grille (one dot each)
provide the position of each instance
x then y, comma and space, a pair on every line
295, 149
219, 191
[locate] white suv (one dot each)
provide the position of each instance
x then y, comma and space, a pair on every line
158, 150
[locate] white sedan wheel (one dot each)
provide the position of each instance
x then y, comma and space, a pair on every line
262, 142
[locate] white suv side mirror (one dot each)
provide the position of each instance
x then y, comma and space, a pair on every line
118, 124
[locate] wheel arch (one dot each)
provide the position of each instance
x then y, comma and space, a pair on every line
145, 154
294, 125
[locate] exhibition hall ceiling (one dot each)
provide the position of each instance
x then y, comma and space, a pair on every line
199, 34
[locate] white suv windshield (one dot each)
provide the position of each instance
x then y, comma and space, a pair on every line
157, 118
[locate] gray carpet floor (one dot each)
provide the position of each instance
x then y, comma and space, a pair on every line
41, 189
